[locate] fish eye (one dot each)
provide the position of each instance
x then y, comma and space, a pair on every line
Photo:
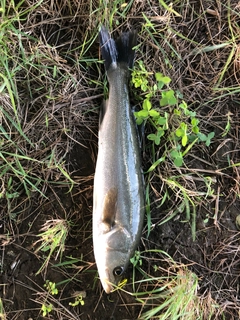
118, 271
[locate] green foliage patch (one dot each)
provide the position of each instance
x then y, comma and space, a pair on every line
173, 121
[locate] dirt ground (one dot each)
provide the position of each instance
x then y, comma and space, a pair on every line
214, 256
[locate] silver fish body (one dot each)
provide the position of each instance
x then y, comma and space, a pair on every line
118, 208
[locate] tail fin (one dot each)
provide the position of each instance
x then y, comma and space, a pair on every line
119, 51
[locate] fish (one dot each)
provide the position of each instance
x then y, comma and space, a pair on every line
118, 196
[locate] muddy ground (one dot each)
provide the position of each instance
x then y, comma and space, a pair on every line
214, 256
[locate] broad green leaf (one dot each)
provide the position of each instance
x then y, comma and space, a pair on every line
179, 132
168, 98
202, 136
147, 104
178, 161
160, 132
183, 105
139, 121
151, 136
157, 140
195, 129
194, 122
162, 121
153, 113
209, 137
177, 157
174, 154
158, 76
142, 113
161, 78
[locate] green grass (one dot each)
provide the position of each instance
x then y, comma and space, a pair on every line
19, 169
52, 240
169, 292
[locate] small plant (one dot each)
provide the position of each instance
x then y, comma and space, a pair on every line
51, 287
46, 309
136, 259
172, 120
52, 239
78, 299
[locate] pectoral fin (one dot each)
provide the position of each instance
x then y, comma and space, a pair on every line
109, 209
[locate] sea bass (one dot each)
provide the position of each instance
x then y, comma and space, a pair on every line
118, 205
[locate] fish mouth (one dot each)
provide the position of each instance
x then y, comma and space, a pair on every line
106, 282
108, 288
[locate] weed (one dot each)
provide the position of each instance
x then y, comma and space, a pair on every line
177, 125
46, 309
21, 164
52, 239
173, 294
51, 287
78, 299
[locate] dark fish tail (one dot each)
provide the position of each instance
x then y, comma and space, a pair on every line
119, 51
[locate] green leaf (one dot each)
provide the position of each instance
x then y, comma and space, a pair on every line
184, 140
202, 136
161, 78
194, 122
183, 105
160, 132
147, 104
139, 121
151, 136
162, 121
142, 113
195, 129
183, 126
157, 140
178, 161
158, 76
177, 157
144, 86
168, 98
209, 137
155, 137
177, 112
191, 113
174, 154
153, 113
179, 132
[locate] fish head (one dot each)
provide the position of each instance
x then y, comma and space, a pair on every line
112, 252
